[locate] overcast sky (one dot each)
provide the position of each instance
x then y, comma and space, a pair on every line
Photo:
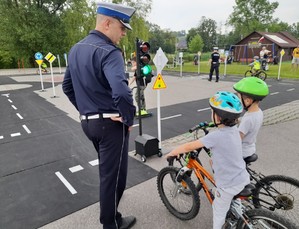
179, 15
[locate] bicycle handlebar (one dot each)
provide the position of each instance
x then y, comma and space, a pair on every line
202, 126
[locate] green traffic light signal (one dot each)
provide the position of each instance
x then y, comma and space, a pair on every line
146, 70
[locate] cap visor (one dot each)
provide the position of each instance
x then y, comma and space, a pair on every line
127, 25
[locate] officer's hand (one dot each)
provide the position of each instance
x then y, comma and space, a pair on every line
117, 119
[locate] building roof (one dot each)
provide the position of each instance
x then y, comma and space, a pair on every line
282, 39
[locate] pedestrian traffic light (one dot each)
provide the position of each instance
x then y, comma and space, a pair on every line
143, 58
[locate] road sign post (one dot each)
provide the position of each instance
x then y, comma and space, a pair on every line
282, 52
50, 58
39, 60
160, 60
198, 63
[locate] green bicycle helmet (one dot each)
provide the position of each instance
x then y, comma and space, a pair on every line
253, 87
226, 105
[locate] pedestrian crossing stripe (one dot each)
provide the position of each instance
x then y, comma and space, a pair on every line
159, 83
50, 57
39, 62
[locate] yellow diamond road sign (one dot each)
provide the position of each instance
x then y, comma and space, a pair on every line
282, 52
50, 57
159, 83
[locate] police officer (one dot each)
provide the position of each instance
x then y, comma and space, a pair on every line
214, 61
96, 84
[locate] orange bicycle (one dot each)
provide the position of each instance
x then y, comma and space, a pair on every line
180, 195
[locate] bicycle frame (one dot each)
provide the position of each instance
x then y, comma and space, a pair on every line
199, 170
256, 177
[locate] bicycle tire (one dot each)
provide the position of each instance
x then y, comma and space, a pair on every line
192, 175
248, 73
288, 189
262, 218
262, 75
175, 204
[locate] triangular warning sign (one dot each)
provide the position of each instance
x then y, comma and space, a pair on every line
159, 83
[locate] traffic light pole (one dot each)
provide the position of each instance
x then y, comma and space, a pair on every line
138, 76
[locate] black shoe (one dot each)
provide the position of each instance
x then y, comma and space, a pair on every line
216, 81
127, 222
209, 80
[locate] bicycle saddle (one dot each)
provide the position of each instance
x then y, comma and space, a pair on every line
251, 158
247, 191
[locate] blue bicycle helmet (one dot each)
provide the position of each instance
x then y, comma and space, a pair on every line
226, 105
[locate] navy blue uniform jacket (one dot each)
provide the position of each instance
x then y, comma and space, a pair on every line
95, 80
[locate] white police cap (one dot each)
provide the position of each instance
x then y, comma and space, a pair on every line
215, 48
121, 12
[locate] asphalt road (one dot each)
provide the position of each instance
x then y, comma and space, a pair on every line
48, 169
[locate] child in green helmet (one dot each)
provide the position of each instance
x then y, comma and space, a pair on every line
229, 168
251, 91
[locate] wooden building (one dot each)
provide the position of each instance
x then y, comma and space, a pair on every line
250, 46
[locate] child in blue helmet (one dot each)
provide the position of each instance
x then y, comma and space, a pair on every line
225, 143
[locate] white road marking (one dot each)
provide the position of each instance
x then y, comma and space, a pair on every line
66, 183
15, 134
14, 107
76, 168
9, 100
135, 125
291, 89
1, 137
170, 117
27, 129
20, 116
274, 93
204, 109
94, 162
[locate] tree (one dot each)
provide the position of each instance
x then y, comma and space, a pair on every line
196, 44
207, 30
252, 15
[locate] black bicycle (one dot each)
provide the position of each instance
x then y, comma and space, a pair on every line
259, 74
277, 193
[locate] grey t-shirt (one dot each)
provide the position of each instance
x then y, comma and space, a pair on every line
250, 125
228, 164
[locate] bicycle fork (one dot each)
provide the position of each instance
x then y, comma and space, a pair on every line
178, 180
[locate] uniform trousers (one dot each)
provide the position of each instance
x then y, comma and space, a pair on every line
110, 139
216, 68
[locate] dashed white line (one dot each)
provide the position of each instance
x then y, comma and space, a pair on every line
76, 168
15, 134
274, 93
94, 162
1, 137
14, 107
9, 100
27, 129
291, 89
204, 109
20, 116
170, 117
66, 183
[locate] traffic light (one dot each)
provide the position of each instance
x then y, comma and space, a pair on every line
143, 58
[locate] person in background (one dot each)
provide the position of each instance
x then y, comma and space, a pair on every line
142, 85
264, 53
255, 65
251, 91
229, 168
214, 61
295, 59
96, 84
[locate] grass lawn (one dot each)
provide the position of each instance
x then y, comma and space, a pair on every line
239, 69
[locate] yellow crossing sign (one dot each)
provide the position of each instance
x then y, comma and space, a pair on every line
50, 57
159, 83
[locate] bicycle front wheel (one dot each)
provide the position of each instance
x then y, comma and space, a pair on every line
262, 218
180, 198
248, 73
280, 194
262, 75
